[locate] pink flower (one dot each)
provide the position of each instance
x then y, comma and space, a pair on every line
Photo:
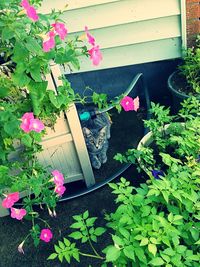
10, 200
36, 125
46, 235
50, 42
25, 4
29, 123
30, 10
58, 177
32, 14
95, 55
60, 29
60, 189
91, 39
26, 118
18, 213
128, 103
136, 103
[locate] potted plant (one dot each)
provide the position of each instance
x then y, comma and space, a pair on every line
156, 224
185, 81
31, 44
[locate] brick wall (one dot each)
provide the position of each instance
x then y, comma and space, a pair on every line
193, 20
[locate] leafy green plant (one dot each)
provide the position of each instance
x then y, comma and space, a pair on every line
30, 44
190, 68
157, 224
85, 232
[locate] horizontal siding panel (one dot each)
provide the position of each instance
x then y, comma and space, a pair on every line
48, 5
136, 54
138, 32
119, 12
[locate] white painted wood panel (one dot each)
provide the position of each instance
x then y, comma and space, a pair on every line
120, 12
48, 5
128, 27
137, 32
136, 54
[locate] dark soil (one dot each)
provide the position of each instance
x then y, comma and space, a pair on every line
126, 132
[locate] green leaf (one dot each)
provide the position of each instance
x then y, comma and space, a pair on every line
37, 93
144, 241
76, 256
76, 235
7, 33
27, 140
12, 127
67, 242
20, 79
140, 254
57, 249
166, 195
52, 256
60, 257
86, 214
195, 233
76, 225
33, 46
90, 221
152, 248
112, 254
67, 256
99, 231
158, 261
61, 244
129, 252
77, 217
124, 232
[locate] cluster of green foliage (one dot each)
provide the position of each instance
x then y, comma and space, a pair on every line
156, 224
190, 68
23, 88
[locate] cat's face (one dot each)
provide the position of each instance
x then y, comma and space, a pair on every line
94, 141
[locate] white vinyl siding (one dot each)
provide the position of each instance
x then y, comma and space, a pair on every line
128, 31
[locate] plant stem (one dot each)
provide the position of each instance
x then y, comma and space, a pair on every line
45, 222
96, 253
92, 256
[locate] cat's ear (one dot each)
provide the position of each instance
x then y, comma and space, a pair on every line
86, 131
103, 130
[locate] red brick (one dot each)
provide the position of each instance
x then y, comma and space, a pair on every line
193, 27
192, 1
191, 40
193, 11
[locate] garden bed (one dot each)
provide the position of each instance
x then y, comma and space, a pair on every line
126, 131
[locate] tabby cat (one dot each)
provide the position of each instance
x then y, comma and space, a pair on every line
97, 132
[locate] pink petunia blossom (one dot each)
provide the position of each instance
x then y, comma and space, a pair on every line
18, 213
36, 125
91, 39
30, 10
58, 177
32, 14
26, 118
49, 43
60, 29
95, 55
10, 200
25, 4
60, 189
46, 235
136, 103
